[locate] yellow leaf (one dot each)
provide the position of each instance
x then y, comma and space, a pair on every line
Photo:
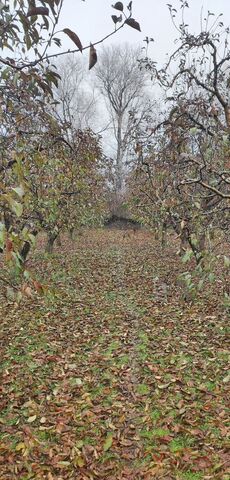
29, 404
31, 419
20, 446
163, 386
80, 462
79, 444
63, 464
108, 442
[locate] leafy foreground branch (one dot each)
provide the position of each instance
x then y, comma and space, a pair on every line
182, 176
45, 179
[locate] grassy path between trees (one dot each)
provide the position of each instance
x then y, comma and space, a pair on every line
111, 376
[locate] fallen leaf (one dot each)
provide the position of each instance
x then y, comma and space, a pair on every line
31, 419
108, 442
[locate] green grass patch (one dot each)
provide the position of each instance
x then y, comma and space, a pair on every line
156, 432
143, 389
189, 476
180, 443
155, 415
112, 347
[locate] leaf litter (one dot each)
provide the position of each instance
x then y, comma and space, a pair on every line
112, 375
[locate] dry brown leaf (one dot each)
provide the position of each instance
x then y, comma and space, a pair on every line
74, 37
92, 56
34, 11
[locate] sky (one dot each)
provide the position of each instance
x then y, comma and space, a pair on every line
91, 20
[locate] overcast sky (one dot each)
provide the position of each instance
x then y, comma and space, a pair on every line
91, 20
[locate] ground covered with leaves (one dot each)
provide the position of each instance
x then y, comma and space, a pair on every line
112, 375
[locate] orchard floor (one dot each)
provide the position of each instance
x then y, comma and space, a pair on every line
111, 375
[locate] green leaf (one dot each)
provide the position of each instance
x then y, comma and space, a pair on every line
187, 256
80, 444
19, 190
77, 381
32, 239
211, 277
63, 464
226, 379
226, 139
2, 235
16, 207
108, 442
193, 131
10, 293
226, 262
26, 275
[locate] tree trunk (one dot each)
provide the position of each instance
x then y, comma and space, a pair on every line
25, 251
202, 242
59, 240
163, 234
183, 242
7, 220
50, 242
26, 248
71, 233
119, 166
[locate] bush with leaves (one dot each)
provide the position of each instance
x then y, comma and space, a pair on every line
33, 147
182, 180
46, 180
190, 145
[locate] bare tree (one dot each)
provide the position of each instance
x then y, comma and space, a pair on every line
187, 167
76, 106
124, 88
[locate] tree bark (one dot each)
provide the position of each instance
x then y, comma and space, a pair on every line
71, 233
59, 240
202, 242
26, 248
119, 173
50, 242
163, 234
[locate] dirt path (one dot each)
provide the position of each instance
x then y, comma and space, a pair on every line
111, 376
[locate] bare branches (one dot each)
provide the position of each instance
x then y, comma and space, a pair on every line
123, 86
183, 179
34, 34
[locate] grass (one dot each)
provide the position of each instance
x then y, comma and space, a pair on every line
190, 476
142, 389
156, 432
181, 443
99, 354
